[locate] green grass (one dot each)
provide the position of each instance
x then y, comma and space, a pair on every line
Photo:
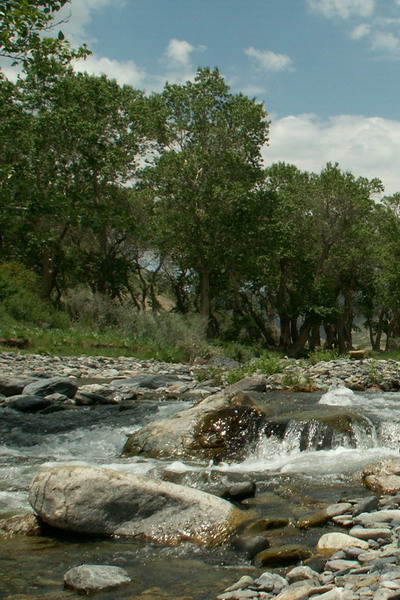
75, 341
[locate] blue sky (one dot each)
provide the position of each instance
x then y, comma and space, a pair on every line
328, 71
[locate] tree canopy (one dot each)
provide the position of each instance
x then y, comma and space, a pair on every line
164, 201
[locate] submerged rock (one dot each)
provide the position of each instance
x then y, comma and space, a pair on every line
95, 578
101, 501
281, 556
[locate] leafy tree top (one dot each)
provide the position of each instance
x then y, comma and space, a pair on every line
23, 28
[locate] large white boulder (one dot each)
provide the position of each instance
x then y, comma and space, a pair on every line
102, 501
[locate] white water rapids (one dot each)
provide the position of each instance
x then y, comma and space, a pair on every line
301, 448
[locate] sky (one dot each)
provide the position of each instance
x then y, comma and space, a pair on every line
327, 71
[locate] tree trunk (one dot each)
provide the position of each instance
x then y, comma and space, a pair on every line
285, 338
205, 302
296, 347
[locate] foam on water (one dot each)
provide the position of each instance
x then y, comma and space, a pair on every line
341, 396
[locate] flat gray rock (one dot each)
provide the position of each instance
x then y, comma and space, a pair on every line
95, 578
44, 387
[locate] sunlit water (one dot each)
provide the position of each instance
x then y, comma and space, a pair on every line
299, 463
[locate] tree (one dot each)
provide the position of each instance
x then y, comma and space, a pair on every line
69, 205
23, 24
209, 163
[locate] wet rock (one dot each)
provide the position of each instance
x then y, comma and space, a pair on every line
281, 556
27, 403
101, 501
95, 578
260, 525
251, 545
240, 491
214, 429
24, 524
43, 387
12, 386
383, 477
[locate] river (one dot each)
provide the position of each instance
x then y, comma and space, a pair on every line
310, 454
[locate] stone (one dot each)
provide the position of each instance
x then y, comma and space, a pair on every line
267, 524
271, 582
383, 477
370, 533
95, 578
24, 524
101, 501
12, 386
252, 545
340, 508
294, 593
240, 491
214, 429
281, 556
369, 504
44, 387
300, 574
379, 516
255, 383
341, 565
27, 403
336, 541
242, 584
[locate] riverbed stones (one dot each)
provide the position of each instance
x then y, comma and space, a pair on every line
100, 501
95, 578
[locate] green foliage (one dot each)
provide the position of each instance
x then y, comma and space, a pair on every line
321, 354
22, 24
20, 300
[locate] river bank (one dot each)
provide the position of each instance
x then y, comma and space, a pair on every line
358, 375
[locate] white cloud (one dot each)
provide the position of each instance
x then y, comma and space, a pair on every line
178, 53
386, 41
368, 147
78, 14
125, 72
360, 31
343, 8
177, 61
270, 61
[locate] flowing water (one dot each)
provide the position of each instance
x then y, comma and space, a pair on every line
310, 453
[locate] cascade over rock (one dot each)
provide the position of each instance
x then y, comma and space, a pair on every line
214, 429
